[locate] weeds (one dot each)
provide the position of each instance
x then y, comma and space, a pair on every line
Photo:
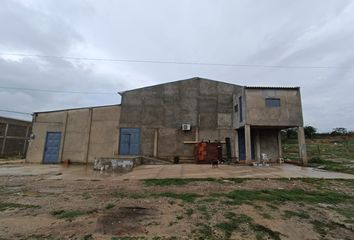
300, 214
187, 197
109, 206
4, 206
62, 214
292, 195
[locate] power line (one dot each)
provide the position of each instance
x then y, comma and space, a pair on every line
56, 91
9, 111
174, 62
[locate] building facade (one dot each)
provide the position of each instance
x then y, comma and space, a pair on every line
167, 120
14, 136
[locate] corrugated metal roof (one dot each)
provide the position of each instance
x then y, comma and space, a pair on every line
81, 108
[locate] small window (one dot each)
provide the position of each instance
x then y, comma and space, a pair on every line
240, 103
272, 102
236, 108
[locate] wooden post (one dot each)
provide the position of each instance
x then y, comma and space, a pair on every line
4, 139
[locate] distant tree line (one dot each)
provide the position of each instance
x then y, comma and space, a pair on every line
311, 132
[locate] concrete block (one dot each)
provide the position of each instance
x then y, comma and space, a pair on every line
113, 164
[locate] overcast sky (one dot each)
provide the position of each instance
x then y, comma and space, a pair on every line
255, 32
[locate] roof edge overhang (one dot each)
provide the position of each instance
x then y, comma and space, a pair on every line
80, 108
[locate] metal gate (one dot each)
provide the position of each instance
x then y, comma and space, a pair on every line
52, 147
129, 143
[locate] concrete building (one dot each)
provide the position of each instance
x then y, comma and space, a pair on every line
14, 135
167, 120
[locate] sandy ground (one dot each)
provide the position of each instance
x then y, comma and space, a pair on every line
51, 202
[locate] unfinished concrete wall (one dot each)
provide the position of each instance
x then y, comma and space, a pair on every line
14, 136
288, 114
268, 142
104, 133
43, 123
86, 133
204, 104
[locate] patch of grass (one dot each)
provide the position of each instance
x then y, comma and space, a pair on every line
262, 231
187, 197
204, 211
346, 212
39, 237
62, 214
299, 214
88, 237
208, 200
130, 195
189, 212
320, 227
109, 206
233, 223
286, 195
204, 231
128, 238
272, 207
335, 166
185, 181
4, 206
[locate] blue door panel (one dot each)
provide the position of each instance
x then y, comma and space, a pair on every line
52, 147
241, 144
129, 141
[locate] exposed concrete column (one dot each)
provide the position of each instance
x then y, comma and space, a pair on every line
236, 146
280, 145
26, 139
248, 142
156, 141
4, 139
258, 146
64, 136
88, 135
302, 145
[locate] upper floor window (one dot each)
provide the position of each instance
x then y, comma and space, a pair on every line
236, 108
272, 102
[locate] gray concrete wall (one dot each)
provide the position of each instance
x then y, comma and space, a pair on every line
43, 123
289, 114
86, 133
14, 135
206, 105
269, 143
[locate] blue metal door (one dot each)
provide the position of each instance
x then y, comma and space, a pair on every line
129, 141
52, 147
241, 144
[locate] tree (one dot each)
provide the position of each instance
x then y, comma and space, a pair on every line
339, 131
310, 131
291, 133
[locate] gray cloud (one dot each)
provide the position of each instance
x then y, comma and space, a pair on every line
273, 32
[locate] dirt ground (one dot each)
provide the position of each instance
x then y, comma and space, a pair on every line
41, 207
